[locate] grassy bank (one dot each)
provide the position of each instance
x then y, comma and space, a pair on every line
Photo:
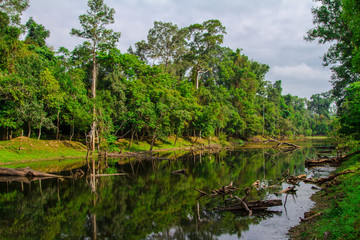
27, 149
20, 150
339, 203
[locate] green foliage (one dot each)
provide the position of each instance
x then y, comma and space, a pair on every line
94, 25
189, 86
36, 33
350, 118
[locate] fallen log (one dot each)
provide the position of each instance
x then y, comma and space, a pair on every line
224, 190
252, 205
22, 179
321, 162
288, 190
311, 217
282, 143
347, 156
25, 172
296, 179
326, 179
244, 205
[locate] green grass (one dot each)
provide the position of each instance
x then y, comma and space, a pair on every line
35, 150
168, 143
317, 137
32, 149
340, 205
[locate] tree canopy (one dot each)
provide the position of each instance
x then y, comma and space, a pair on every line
180, 81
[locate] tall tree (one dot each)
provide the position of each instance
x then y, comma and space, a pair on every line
203, 41
101, 39
331, 27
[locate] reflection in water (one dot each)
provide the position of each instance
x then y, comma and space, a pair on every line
150, 202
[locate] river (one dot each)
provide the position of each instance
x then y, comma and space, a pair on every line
151, 203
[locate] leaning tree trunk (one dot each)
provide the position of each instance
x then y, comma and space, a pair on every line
93, 90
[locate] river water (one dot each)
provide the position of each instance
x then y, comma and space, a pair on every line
151, 203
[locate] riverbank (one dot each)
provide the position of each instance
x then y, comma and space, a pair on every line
339, 205
23, 149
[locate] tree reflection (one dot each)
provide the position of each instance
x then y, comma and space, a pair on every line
149, 203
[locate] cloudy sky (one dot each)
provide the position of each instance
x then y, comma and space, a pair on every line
268, 31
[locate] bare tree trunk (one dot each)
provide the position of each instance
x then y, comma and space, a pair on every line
197, 76
58, 125
39, 131
93, 90
153, 140
29, 134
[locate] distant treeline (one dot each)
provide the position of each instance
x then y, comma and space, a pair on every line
178, 82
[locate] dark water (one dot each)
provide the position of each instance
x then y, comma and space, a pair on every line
152, 203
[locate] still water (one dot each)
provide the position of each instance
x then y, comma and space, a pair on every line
151, 203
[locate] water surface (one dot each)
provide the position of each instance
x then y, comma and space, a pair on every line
152, 203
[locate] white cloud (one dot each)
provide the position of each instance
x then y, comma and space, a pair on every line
302, 71
301, 80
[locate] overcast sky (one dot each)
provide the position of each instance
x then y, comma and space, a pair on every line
268, 31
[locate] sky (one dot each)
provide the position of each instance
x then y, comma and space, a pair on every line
269, 31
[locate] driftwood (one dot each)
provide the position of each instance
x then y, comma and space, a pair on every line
347, 156
288, 190
25, 172
22, 179
223, 191
321, 162
202, 193
279, 144
311, 217
326, 179
256, 184
252, 205
295, 179
244, 204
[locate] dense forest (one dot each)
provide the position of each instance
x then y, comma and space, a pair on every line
338, 22
180, 81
